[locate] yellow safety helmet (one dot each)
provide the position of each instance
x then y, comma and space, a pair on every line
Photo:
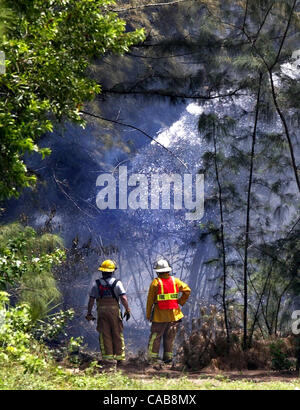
108, 266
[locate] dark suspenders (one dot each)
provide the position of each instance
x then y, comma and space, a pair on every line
111, 287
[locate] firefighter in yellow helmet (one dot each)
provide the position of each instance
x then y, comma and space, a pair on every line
163, 310
108, 291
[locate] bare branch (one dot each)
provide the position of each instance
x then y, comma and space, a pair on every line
270, 68
286, 129
184, 96
263, 22
246, 13
137, 129
60, 186
285, 34
170, 3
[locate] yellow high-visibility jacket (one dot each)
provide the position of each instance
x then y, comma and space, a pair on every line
166, 315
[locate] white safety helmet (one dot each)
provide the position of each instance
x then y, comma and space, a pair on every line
162, 266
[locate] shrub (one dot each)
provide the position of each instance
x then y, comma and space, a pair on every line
26, 265
206, 340
16, 341
22, 337
53, 326
280, 359
205, 345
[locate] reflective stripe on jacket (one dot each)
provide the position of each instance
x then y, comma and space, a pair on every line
165, 315
167, 295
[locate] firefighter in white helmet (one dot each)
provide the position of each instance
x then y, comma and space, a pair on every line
163, 310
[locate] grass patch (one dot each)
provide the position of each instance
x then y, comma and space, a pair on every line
12, 377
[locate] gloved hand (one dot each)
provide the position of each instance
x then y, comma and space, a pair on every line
89, 317
127, 315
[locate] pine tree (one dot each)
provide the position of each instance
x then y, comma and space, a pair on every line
231, 54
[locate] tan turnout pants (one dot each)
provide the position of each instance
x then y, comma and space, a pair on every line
167, 331
110, 328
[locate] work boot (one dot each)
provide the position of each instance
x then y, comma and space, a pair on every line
168, 361
152, 362
158, 365
108, 365
168, 358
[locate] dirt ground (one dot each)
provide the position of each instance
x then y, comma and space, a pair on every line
148, 372
137, 368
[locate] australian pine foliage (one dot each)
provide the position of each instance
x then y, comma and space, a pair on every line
232, 58
255, 163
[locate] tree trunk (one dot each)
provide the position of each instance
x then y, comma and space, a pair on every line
245, 334
220, 198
